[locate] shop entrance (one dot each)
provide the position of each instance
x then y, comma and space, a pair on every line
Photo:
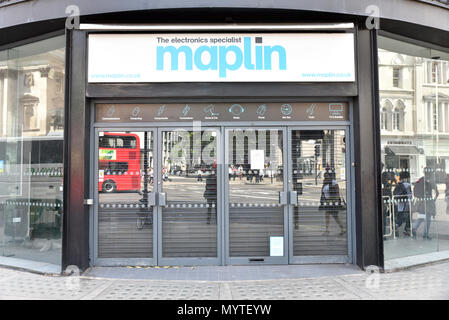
221, 194
286, 195
157, 196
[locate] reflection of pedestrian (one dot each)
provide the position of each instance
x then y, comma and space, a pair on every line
210, 194
426, 207
240, 172
447, 193
164, 174
151, 174
256, 176
403, 197
387, 187
331, 201
200, 175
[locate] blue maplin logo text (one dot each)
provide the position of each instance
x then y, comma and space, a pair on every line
219, 57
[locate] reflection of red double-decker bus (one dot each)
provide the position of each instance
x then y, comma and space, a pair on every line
119, 162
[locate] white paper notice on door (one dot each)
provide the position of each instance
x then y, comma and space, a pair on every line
342, 173
257, 159
276, 246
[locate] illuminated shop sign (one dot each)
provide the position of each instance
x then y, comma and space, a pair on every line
217, 57
281, 57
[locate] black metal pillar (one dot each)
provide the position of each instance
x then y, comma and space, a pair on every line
369, 242
75, 242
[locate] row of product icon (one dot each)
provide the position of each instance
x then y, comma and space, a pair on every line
236, 110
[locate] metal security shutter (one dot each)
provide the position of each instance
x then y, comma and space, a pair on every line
308, 238
319, 176
189, 232
250, 229
123, 233
255, 215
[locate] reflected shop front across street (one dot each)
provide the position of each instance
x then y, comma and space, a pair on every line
217, 193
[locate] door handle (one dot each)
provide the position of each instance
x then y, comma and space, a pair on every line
162, 199
152, 199
283, 198
293, 198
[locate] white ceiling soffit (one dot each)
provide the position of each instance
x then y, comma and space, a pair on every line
217, 27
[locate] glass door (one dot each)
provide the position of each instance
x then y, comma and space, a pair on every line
189, 196
256, 224
125, 201
319, 192
161, 194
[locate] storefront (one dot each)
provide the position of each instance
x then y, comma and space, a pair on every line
221, 181
223, 192
210, 140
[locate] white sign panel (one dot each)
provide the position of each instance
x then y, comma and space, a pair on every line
257, 159
276, 246
342, 173
280, 57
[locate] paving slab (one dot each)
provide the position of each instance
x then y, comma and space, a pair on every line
35, 286
302, 289
160, 290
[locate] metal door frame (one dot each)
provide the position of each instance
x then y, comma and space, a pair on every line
349, 199
194, 260
222, 195
120, 261
157, 258
266, 259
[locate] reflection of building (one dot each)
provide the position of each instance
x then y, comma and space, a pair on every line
31, 145
37, 91
414, 113
324, 150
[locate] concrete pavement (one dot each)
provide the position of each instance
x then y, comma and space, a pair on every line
428, 282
